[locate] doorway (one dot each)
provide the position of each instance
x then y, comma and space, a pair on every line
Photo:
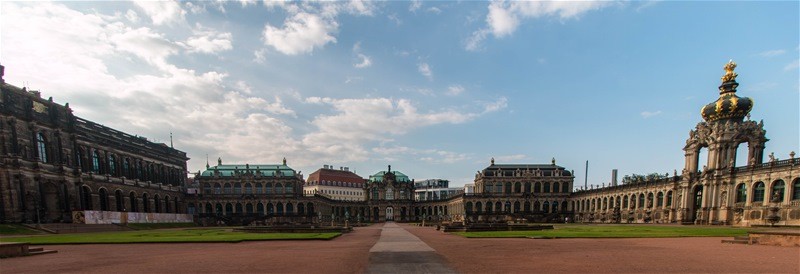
389, 214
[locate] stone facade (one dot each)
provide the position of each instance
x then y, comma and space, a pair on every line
718, 193
52, 162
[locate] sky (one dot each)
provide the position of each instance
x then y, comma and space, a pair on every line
435, 89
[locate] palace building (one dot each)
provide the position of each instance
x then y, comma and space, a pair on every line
341, 184
54, 165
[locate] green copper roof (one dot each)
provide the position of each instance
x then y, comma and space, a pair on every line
265, 170
399, 176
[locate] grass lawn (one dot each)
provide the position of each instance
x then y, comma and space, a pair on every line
614, 231
167, 236
14, 229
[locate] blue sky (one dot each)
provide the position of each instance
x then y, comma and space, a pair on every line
435, 89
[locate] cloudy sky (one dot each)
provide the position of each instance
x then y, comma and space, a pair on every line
435, 89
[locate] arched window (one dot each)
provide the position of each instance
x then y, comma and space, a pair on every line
259, 188
260, 209
248, 189
375, 194
478, 207
279, 188
288, 188
758, 192
209, 209
527, 187
517, 187
488, 207
641, 201
86, 198
279, 208
157, 203
228, 209
660, 199
145, 203
625, 202
669, 198
546, 187
248, 208
237, 188
227, 189
119, 200
112, 162
103, 197
741, 193
777, 192
126, 167
649, 199
796, 189
239, 208
167, 208
206, 188
565, 188
289, 208
555, 207
134, 204
41, 147
95, 162
546, 206
468, 207
555, 187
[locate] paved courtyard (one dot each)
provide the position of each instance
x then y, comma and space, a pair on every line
400, 248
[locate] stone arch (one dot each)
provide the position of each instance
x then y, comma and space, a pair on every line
157, 203
146, 202
119, 200
796, 189
777, 191
102, 197
758, 192
86, 197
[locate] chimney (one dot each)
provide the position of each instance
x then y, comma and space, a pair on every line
614, 177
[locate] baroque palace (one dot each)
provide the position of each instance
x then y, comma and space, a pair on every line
56, 167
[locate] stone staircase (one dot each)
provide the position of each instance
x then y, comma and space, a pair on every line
83, 228
739, 240
12, 249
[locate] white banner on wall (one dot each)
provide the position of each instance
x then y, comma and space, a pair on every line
116, 217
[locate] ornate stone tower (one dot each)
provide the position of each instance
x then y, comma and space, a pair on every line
724, 129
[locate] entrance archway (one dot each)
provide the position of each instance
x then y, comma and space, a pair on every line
51, 204
389, 213
697, 201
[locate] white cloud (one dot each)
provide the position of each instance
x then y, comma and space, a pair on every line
132, 16
194, 9
415, 5
162, 12
648, 114
792, 65
394, 18
434, 10
365, 61
425, 70
504, 17
301, 33
361, 7
510, 158
209, 41
771, 53
501, 103
454, 90
260, 56
502, 20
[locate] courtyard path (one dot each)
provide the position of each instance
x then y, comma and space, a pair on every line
398, 251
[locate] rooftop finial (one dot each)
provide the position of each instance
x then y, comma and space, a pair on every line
207, 165
219, 161
492, 160
284, 161
170, 137
729, 74
553, 161
390, 168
